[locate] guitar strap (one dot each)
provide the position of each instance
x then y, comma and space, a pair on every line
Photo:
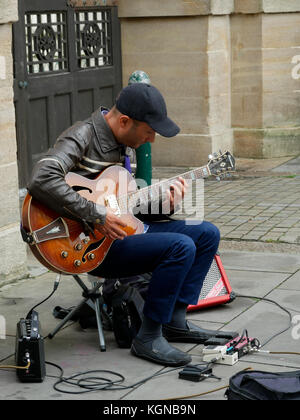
127, 163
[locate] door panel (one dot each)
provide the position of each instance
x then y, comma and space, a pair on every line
67, 62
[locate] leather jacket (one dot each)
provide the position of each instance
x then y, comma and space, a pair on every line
85, 148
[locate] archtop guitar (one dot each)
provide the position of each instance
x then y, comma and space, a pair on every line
66, 246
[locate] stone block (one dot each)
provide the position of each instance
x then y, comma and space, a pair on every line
248, 143
8, 145
281, 142
246, 31
281, 30
13, 255
281, 109
5, 53
167, 35
222, 141
246, 110
219, 66
248, 6
8, 11
182, 150
219, 116
191, 114
279, 73
221, 7
9, 194
150, 8
180, 75
7, 125
247, 71
283, 6
218, 35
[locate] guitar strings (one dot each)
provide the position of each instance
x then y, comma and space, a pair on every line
124, 200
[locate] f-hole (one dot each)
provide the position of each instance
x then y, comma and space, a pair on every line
92, 247
81, 188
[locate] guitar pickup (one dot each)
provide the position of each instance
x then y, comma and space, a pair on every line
112, 202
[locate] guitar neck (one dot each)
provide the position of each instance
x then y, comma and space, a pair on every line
153, 193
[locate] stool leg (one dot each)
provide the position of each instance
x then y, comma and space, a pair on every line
99, 325
66, 319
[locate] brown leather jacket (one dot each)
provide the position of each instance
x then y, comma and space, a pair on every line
86, 148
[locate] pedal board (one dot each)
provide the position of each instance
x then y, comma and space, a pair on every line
30, 346
227, 352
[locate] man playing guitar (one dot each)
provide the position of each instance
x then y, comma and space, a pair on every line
178, 254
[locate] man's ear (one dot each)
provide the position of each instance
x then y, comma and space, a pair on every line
124, 121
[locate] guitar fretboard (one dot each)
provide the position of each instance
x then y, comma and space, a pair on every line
153, 193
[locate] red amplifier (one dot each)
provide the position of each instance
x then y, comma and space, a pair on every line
216, 288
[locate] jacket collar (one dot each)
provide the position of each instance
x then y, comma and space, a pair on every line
103, 132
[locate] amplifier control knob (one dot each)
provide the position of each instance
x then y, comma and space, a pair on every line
64, 254
77, 263
91, 256
78, 247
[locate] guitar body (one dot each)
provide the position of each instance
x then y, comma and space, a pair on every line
64, 245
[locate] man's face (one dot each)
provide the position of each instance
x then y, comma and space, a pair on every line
135, 133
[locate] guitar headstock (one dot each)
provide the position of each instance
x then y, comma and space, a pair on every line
220, 164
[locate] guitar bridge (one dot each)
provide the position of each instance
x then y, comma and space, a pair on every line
112, 202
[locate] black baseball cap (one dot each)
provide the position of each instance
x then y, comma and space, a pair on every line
144, 102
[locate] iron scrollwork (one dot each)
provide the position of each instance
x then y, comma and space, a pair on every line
45, 42
91, 39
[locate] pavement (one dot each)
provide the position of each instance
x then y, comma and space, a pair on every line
258, 214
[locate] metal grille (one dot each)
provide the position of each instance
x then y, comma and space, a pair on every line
93, 38
212, 278
46, 42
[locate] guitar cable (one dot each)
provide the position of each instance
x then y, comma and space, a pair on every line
56, 284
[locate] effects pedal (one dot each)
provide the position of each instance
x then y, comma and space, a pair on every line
30, 348
228, 353
241, 345
218, 354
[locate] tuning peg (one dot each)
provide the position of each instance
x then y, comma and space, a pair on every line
215, 155
210, 157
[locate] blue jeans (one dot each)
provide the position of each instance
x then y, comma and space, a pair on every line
179, 256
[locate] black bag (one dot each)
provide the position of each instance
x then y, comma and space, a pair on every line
259, 385
84, 315
140, 282
127, 306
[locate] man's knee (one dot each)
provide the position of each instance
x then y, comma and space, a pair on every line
185, 246
209, 233
213, 232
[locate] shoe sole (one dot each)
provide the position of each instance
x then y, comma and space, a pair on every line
198, 339
192, 340
158, 361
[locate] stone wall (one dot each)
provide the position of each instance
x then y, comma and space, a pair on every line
226, 70
12, 249
265, 86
